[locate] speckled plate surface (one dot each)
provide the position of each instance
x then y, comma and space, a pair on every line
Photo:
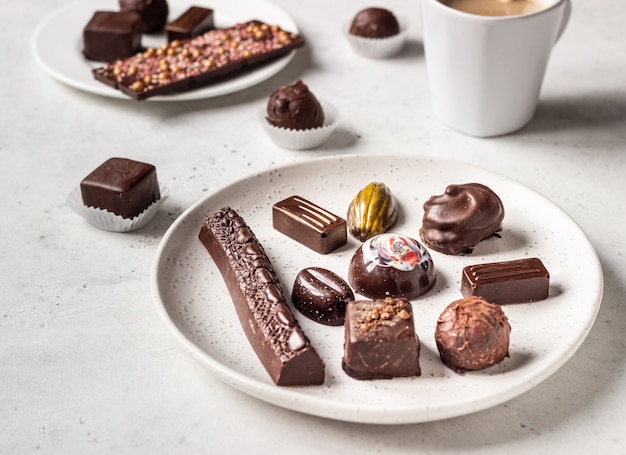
194, 304
58, 42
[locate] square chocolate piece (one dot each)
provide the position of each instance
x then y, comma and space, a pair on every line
193, 22
111, 35
380, 340
122, 186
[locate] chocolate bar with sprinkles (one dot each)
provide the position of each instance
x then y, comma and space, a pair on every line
183, 65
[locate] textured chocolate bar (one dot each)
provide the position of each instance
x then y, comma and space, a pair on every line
185, 65
522, 280
309, 224
193, 22
269, 324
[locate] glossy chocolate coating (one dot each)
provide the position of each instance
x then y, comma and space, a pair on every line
294, 107
391, 265
122, 186
111, 35
153, 13
321, 295
309, 224
193, 22
459, 219
472, 334
375, 23
380, 340
266, 319
522, 280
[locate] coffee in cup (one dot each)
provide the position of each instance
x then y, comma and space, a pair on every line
496, 7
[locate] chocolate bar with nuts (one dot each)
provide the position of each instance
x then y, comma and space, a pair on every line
267, 320
183, 65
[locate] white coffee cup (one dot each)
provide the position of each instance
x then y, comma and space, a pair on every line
485, 72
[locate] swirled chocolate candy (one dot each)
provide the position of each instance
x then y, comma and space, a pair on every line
110, 35
294, 107
193, 22
459, 219
153, 13
472, 334
374, 23
391, 265
266, 319
321, 295
380, 340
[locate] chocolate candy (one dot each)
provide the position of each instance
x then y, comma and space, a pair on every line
459, 219
309, 224
472, 334
110, 35
294, 107
185, 65
274, 333
522, 280
153, 13
375, 23
380, 340
321, 295
391, 265
122, 186
193, 22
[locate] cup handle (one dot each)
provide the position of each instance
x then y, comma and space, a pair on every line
567, 12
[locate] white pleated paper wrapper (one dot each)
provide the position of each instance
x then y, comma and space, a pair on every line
303, 139
377, 48
109, 221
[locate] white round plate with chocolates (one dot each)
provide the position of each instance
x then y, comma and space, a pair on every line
58, 45
194, 302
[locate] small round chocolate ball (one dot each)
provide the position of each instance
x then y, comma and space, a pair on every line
153, 13
375, 23
294, 107
472, 334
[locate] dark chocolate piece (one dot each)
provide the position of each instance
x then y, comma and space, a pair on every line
153, 13
122, 186
185, 65
522, 280
309, 224
375, 23
380, 340
193, 22
391, 265
294, 107
472, 334
274, 333
459, 219
321, 295
110, 35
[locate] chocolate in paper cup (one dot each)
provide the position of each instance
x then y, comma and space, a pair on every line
303, 139
109, 221
377, 48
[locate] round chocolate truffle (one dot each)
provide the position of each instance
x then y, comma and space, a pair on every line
472, 334
375, 23
294, 107
459, 219
321, 295
153, 13
391, 265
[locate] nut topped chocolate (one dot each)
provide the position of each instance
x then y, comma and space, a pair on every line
374, 23
462, 217
294, 107
153, 13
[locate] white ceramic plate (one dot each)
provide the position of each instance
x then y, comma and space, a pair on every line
58, 43
195, 305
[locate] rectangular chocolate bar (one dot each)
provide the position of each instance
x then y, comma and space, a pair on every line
185, 65
111, 35
309, 224
522, 280
266, 319
193, 22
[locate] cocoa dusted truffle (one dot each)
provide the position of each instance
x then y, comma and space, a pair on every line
459, 219
391, 265
294, 107
153, 13
375, 23
472, 334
